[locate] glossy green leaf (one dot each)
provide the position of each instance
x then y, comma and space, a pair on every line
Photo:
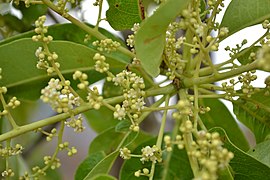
103, 177
18, 63
244, 13
106, 141
103, 166
261, 152
254, 112
220, 116
123, 14
123, 126
101, 119
244, 59
243, 165
31, 14
88, 164
175, 165
150, 38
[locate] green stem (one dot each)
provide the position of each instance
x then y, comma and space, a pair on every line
7, 158
84, 107
188, 82
160, 136
89, 30
163, 123
9, 116
99, 14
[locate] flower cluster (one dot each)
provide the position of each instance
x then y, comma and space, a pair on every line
8, 173
125, 153
94, 98
133, 86
13, 103
184, 108
229, 89
53, 162
143, 172
83, 79
246, 80
58, 95
61, 6
107, 45
210, 153
131, 39
100, 65
76, 123
151, 154
42, 53
10, 151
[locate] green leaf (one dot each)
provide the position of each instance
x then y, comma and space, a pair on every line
123, 14
261, 152
123, 126
111, 90
175, 165
67, 32
101, 119
18, 78
254, 112
102, 166
244, 13
31, 14
243, 165
103, 177
220, 116
106, 141
88, 164
244, 59
150, 38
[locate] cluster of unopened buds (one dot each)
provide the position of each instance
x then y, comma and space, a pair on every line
94, 98
43, 54
83, 79
106, 45
58, 95
100, 65
211, 155
71, 151
169, 142
50, 135
184, 108
53, 162
76, 123
13, 103
61, 6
